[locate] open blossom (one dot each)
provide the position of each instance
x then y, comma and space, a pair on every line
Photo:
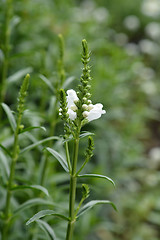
94, 112
71, 99
90, 111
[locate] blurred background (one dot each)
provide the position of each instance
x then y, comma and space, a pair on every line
124, 38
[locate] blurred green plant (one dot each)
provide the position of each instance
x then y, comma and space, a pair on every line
126, 74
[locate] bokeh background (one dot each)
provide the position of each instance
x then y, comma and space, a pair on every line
124, 38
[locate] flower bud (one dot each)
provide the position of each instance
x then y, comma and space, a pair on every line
85, 114
90, 107
73, 107
85, 106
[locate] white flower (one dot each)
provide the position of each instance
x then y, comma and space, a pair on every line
95, 112
71, 99
72, 114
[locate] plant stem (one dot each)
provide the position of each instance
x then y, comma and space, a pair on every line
72, 194
8, 9
67, 156
52, 129
11, 178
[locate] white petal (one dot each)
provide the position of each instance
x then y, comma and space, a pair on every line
93, 115
71, 98
95, 112
72, 114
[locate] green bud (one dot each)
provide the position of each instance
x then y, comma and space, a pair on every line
89, 150
85, 47
85, 191
22, 94
61, 46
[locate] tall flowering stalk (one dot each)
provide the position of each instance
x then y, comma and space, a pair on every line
5, 48
53, 120
18, 127
76, 109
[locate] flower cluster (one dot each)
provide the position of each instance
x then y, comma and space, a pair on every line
76, 108
89, 112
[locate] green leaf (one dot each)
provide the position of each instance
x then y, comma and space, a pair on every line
6, 150
47, 229
31, 203
82, 135
18, 75
60, 159
31, 128
38, 143
91, 204
44, 213
10, 116
4, 165
36, 187
97, 176
68, 81
47, 82
85, 134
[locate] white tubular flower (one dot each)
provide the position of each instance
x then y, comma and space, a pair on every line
71, 99
95, 112
72, 114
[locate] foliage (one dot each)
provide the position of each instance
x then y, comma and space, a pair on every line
124, 39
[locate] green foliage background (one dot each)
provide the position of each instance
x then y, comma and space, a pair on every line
125, 74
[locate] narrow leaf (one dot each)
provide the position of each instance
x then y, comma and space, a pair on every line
47, 229
97, 176
31, 203
18, 75
47, 82
38, 143
36, 187
68, 81
82, 135
91, 204
10, 116
44, 213
4, 164
6, 150
31, 128
85, 134
60, 159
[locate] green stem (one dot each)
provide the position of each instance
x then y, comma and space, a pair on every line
11, 179
72, 194
5, 50
68, 156
45, 163
83, 165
